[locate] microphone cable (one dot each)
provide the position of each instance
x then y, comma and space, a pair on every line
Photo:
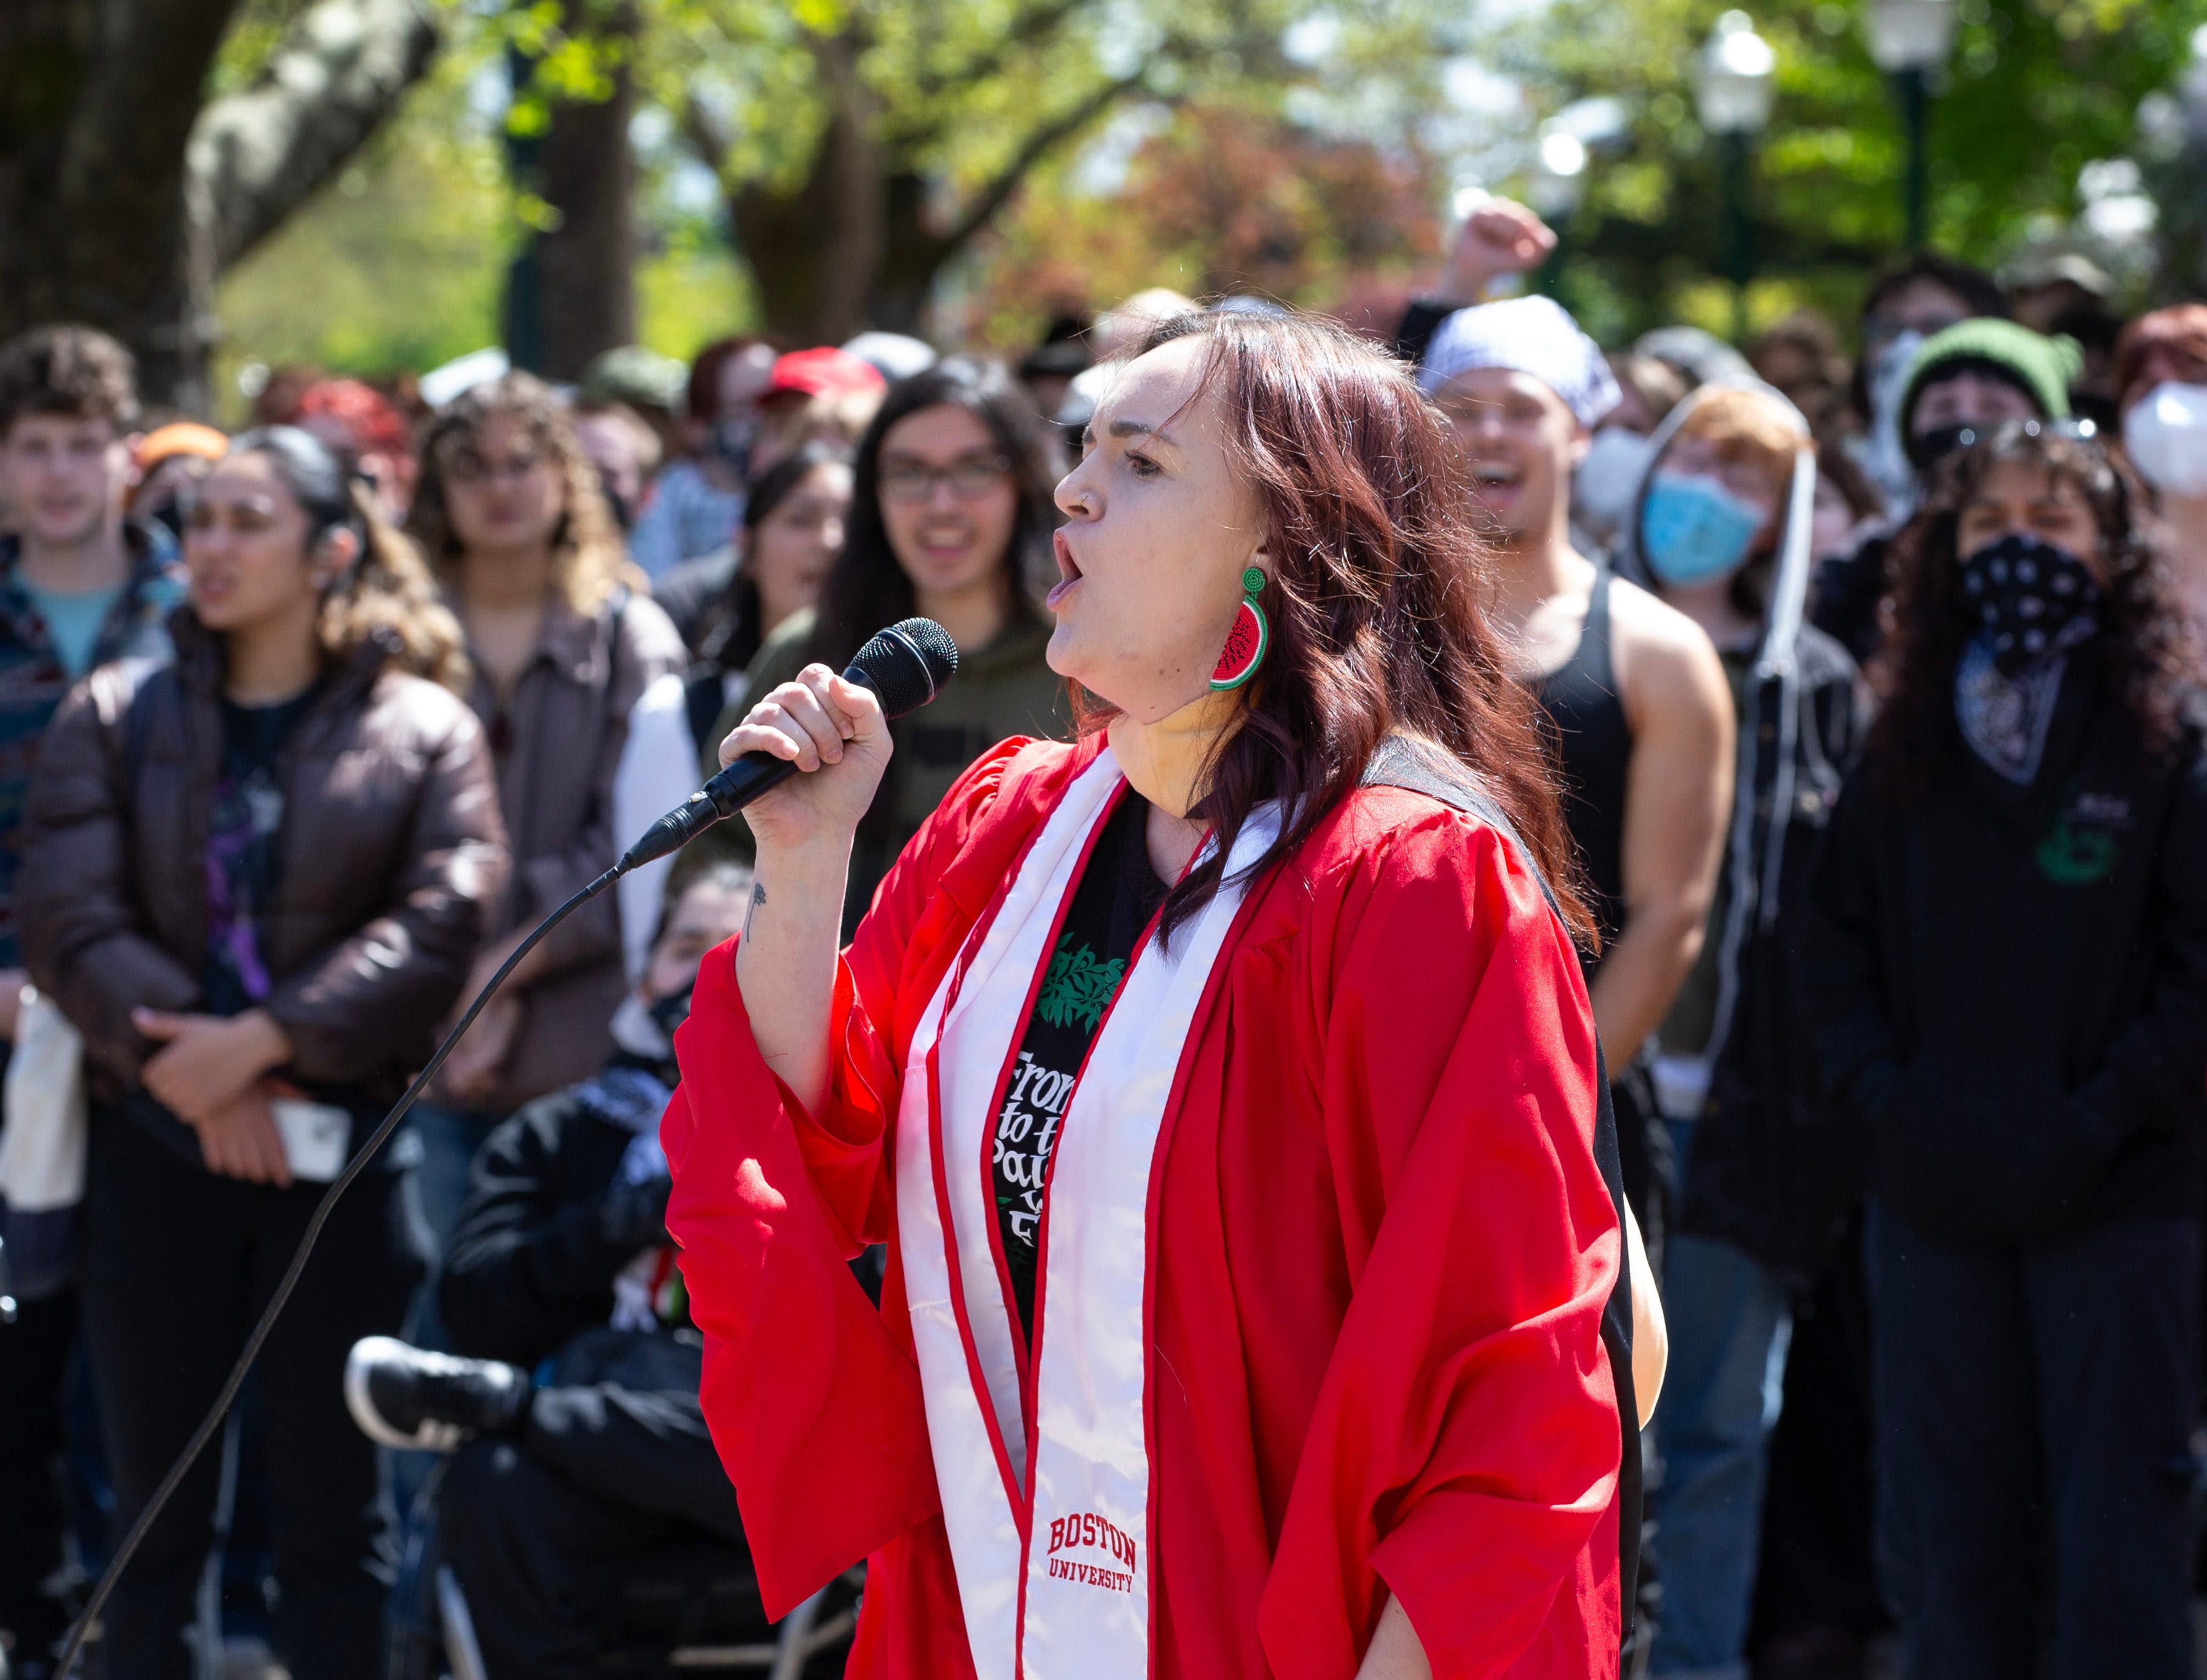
905, 666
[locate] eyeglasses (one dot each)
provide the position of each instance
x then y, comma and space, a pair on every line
913, 482
466, 467
1945, 442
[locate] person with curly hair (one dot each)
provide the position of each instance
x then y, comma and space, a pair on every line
564, 642
2010, 973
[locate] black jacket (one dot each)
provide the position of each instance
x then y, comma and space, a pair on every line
533, 1258
528, 1278
1775, 1168
2010, 984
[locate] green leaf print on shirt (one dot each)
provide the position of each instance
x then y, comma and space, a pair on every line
1077, 986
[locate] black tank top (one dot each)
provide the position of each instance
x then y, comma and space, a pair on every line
1585, 718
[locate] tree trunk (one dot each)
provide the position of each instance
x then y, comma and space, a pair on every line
912, 253
587, 263
96, 103
814, 252
121, 199
853, 246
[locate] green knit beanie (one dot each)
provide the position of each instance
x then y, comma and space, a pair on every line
2041, 367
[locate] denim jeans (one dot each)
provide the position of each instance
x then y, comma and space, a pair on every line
443, 1171
1730, 1321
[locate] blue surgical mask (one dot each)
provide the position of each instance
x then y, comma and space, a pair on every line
1692, 530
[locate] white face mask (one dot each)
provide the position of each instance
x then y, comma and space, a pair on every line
1603, 488
2165, 433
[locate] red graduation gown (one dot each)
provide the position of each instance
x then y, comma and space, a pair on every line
1381, 1252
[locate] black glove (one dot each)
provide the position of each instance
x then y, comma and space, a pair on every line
633, 1216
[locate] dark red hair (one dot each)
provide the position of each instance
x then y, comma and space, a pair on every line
1375, 599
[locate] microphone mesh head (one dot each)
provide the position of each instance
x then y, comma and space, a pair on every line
907, 664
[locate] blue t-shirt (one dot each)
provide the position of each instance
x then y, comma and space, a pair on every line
74, 620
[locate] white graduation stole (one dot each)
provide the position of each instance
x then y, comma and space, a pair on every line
1059, 1588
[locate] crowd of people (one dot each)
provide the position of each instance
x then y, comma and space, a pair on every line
1869, 684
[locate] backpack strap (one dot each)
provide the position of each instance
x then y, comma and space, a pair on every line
1400, 762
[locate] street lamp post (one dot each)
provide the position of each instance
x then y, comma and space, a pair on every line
1909, 41
1736, 85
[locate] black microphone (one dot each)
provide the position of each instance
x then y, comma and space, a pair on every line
906, 666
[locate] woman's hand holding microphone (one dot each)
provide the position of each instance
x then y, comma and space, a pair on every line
834, 732
839, 740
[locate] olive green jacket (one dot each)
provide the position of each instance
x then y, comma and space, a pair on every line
1001, 690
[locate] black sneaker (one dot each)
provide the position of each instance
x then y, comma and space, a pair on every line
409, 1397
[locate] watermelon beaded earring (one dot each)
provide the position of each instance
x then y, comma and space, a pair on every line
1249, 641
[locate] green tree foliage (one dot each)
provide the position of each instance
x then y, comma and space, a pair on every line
1222, 196
396, 265
401, 262
146, 145
865, 150
864, 144
2035, 90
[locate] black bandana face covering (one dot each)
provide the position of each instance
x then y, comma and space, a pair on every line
2029, 599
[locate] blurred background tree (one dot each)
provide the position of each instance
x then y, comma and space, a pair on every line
147, 145
1221, 196
2035, 94
369, 185
863, 145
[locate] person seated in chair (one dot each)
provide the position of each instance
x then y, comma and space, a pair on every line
561, 1260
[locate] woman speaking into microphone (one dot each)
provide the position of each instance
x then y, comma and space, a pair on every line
1222, 1086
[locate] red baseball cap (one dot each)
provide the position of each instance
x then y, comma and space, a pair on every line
825, 372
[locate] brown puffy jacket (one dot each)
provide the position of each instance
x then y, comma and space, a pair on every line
392, 855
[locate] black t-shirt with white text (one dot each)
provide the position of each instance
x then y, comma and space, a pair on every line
1117, 894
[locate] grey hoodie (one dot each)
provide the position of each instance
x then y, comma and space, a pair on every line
1764, 1171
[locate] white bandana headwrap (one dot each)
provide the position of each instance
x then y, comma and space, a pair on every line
1526, 335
